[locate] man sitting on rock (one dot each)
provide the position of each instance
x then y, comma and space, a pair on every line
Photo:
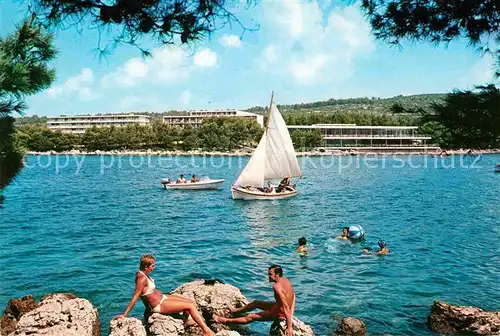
279, 311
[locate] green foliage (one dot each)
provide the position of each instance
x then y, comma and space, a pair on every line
24, 70
306, 139
214, 134
359, 118
11, 155
165, 21
472, 118
166, 136
464, 119
31, 120
40, 139
189, 139
357, 105
439, 133
228, 133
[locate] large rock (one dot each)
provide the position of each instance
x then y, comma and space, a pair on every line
350, 326
451, 319
299, 328
228, 333
126, 326
16, 308
212, 296
162, 325
60, 315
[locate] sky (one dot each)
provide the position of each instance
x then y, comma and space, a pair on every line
304, 51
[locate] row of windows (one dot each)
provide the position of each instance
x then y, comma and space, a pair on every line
368, 132
98, 121
171, 120
374, 143
68, 125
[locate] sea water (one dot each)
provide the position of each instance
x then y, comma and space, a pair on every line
80, 224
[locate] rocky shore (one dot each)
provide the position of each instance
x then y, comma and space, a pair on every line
319, 152
64, 314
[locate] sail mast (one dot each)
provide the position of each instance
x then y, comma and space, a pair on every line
269, 111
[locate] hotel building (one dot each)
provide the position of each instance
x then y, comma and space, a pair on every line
347, 136
78, 124
195, 117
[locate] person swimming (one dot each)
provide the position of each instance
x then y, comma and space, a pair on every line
345, 234
383, 249
302, 245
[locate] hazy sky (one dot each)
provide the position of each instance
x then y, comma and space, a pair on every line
304, 51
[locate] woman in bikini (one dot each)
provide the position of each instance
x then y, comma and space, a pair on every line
160, 303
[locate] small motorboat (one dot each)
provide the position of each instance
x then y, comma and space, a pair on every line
497, 168
205, 183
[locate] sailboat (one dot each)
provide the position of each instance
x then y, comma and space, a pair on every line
274, 158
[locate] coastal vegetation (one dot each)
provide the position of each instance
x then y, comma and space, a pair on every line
465, 119
224, 134
24, 70
461, 119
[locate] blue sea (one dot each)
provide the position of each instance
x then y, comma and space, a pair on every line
80, 224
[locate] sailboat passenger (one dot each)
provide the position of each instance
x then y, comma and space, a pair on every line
283, 185
269, 188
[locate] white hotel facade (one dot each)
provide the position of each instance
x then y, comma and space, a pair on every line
195, 117
79, 124
337, 136
351, 136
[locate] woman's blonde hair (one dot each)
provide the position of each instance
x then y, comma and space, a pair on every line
146, 260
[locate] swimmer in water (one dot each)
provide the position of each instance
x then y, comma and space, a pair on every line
383, 248
302, 245
345, 234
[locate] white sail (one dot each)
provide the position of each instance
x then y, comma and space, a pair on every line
274, 157
281, 160
253, 174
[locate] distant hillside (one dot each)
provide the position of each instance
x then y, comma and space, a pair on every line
378, 105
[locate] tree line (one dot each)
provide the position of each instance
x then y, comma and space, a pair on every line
214, 134
464, 119
222, 134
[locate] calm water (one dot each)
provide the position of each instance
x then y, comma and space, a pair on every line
83, 231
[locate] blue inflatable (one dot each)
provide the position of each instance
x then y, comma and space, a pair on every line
356, 232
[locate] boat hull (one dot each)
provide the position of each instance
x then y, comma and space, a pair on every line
251, 195
204, 185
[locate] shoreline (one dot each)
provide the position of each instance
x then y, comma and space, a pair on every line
331, 152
